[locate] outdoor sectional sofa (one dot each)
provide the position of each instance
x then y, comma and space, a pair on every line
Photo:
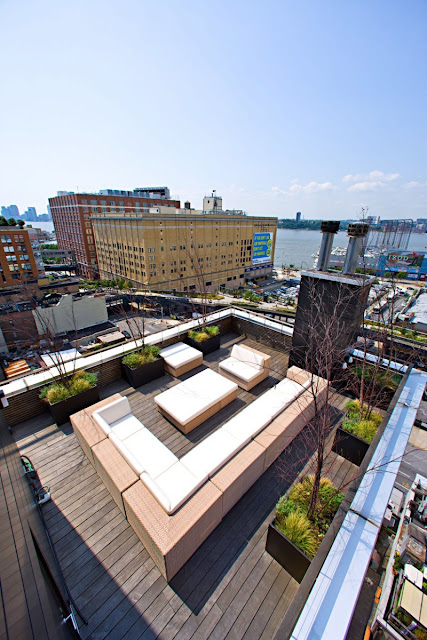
173, 505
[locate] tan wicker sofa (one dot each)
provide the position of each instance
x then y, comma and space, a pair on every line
263, 430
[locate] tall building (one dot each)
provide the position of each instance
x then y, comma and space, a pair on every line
72, 212
20, 258
298, 216
30, 214
184, 250
11, 211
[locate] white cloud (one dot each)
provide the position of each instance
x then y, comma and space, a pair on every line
373, 176
310, 187
369, 181
365, 186
414, 184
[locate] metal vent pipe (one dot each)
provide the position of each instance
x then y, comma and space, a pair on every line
328, 228
356, 232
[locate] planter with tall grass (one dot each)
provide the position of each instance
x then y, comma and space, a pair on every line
69, 395
292, 538
356, 432
143, 366
205, 339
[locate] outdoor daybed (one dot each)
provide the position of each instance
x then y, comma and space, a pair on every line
245, 366
173, 505
193, 401
180, 358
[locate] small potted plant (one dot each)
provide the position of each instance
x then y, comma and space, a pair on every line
205, 339
143, 366
356, 432
66, 396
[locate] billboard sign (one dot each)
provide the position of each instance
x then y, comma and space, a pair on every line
404, 260
262, 248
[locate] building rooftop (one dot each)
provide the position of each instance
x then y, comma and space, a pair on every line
231, 585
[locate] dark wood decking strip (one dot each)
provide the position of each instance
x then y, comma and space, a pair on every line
230, 588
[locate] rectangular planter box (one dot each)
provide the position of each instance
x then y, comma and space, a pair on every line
61, 411
207, 346
350, 446
286, 553
146, 373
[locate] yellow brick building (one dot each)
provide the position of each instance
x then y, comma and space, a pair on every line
184, 251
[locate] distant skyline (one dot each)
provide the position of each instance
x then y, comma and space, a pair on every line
280, 107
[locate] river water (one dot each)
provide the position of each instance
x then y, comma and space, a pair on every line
297, 246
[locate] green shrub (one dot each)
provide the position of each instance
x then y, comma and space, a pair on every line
57, 391
365, 428
212, 330
295, 505
204, 333
296, 527
150, 353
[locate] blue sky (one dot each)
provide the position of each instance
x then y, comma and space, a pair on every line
280, 106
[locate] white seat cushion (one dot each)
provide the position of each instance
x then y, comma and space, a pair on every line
150, 452
179, 354
189, 399
242, 370
126, 426
212, 453
248, 356
132, 460
174, 486
248, 423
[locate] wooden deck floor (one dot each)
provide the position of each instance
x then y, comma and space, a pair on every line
231, 588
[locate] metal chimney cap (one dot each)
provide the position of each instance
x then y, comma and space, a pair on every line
330, 226
357, 229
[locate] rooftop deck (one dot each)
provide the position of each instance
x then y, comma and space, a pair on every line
230, 588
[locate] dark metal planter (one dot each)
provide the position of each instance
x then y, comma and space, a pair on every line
350, 446
146, 373
61, 411
286, 553
206, 346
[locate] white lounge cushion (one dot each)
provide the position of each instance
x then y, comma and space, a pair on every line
150, 452
179, 354
212, 453
242, 370
174, 486
248, 356
189, 399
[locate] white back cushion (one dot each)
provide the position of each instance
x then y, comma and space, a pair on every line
248, 356
114, 411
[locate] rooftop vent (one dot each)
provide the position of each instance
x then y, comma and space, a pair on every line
328, 228
356, 232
